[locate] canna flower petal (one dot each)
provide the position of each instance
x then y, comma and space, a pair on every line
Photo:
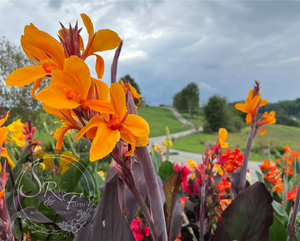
80, 72
64, 114
192, 163
220, 170
25, 75
241, 107
262, 132
36, 84
104, 142
223, 134
2, 121
2, 193
99, 106
117, 100
101, 90
94, 122
137, 125
105, 39
140, 141
59, 136
88, 25
5, 154
3, 134
263, 102
248, 118
99, 66
32, 52
46, 43
61, 101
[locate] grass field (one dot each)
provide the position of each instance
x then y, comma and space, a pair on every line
197, 119
158, 118
275, 136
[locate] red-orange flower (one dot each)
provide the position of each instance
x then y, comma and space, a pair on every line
266, 165
278, 187
292, 193
224, 184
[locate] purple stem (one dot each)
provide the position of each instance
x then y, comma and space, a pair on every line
292, 223
242, 182
114, 64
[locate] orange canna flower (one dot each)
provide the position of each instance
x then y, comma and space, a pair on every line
278, 187
107, 131
67, 119
50, 54
72, 88
266, 165
273, 175
135, 94
219, 169
223, 137
250, 105
3, 135
38, 46
266, 119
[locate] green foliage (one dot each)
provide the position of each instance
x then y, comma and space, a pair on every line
219, 115
187, 100
287, 107
133, 83
165, 170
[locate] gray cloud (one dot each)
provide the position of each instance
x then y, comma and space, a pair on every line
221, 46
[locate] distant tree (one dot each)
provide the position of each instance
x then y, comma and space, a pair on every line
133, 83
187, 100
17, 100
219, 115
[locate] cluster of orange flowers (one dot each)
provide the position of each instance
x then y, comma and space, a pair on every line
274, 170
76, 97
273, 175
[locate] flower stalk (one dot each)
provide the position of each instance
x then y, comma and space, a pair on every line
292, 223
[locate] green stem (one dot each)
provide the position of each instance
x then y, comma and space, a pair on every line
49, 137
71, 144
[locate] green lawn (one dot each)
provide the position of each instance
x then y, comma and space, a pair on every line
158, 118
197, 119
275, 136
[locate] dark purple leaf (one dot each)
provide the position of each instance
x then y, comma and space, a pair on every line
171, 187
17, 202
248, 217
108, 222
131, 202
176, 220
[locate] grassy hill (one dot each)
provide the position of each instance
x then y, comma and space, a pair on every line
276, 136
158, 118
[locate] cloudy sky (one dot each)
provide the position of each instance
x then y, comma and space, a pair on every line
222, 46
